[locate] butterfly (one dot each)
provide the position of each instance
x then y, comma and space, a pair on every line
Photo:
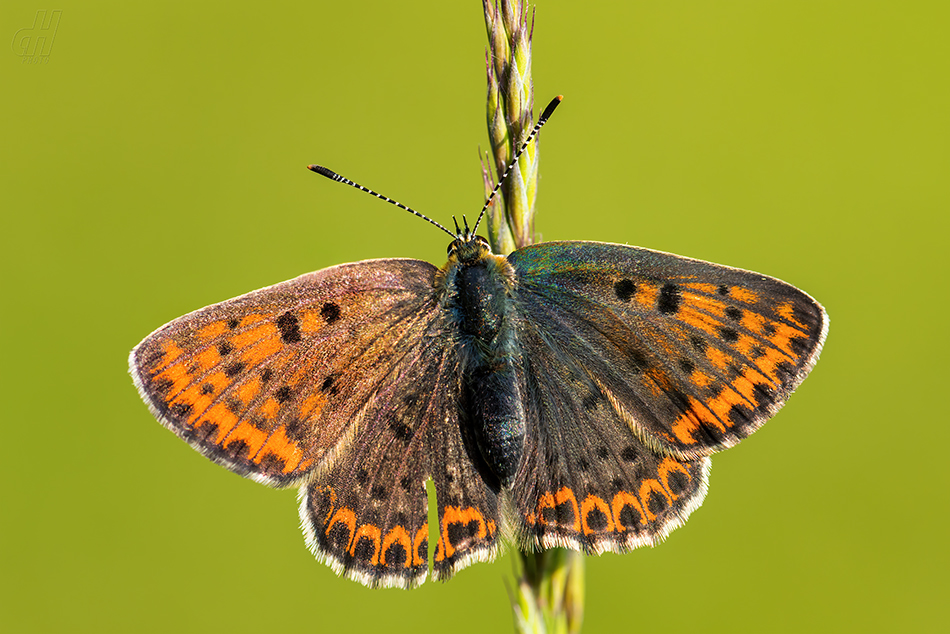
570, 394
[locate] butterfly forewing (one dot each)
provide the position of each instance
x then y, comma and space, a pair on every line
694, 356
259, 383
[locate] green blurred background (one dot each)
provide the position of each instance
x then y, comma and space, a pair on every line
156, 164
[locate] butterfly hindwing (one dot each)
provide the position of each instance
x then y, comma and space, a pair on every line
587, 482
693, 356
367, 516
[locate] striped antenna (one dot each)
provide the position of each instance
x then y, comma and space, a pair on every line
534, 131
319, 169
333, 176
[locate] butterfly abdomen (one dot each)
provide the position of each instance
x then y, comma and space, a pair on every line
480, 294
495, 414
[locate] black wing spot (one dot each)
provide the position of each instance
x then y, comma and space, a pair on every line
602, 452
238, 450
733, 313
640, 360
362, 475
337, 538
150, 359
669, 300
234, 369
180, 410
289, 327
564, 514
679, 400
629, 454
799, 345
272, 464
283, 394
207, 388
233, 323
802, 315
625, 289
596, 519
712, 432
225, 348
739, 414
422, 550
364, 550
785, 371
729, 335
656, 503
764, 395
330, 312
396, 555
296, 430
678, 482
406, 485
379, 493
687, 366
699, 344
206, 430
328, 386
591, 401
234, 405
723, 290
629, 517
401, 430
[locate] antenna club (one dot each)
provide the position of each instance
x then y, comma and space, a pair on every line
319, 169
549, 110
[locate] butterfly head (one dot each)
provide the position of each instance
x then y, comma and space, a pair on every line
467, 247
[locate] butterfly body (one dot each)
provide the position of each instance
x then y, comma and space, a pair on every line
479, 288
569, 394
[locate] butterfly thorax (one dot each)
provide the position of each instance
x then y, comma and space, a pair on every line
479, 290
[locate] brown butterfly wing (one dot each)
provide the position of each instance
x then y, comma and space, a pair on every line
262, 383
586, 481
367, 516
345, 382
640, 365
693, 356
